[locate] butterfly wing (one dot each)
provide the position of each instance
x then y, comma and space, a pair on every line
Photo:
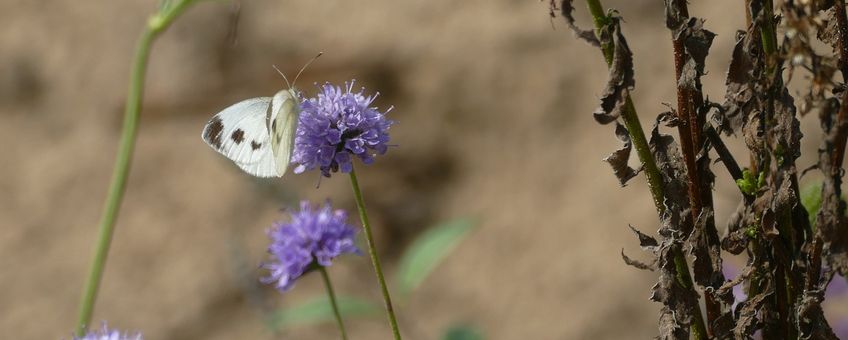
240, 133
284, 114
265, 167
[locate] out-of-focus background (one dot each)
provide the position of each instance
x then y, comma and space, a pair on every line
493, 103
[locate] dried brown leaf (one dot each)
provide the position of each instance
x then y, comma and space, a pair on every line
697, 42
645, 241
566, 9
620, 81
618, 158
735, 241
747, 313
812, 322
740, 98
706, 263
727, 287
669, 161
638, 264
828, 32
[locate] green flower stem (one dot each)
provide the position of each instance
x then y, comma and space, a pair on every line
333, 301
156, 25
372, 251
652, 172
786, 298
631, 119
769, 37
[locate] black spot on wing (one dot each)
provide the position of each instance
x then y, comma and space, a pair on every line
237, 136
212, 133
254, 145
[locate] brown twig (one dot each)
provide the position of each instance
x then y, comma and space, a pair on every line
842, 118
724, 153
689, 101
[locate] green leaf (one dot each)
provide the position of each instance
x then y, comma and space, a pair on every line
428, 250
749, 184
461, 332
319, 310
811, 200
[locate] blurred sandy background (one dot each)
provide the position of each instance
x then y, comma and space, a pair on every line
493, 105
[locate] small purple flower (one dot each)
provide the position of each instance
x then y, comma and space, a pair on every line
836, 295
312, 237
104, 333
336, 126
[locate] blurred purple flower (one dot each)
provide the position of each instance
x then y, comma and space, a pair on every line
838, 286
336, 126
104, 333
311, 238
840, 328
837, 293
731, 272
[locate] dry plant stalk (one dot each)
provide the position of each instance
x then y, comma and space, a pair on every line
790, 260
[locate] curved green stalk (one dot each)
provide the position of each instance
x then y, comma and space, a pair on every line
155, 25
652, 172
333, 302
372, 252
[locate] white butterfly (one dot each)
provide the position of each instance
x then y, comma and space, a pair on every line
258, 133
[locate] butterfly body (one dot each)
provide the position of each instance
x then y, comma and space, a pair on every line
258, 133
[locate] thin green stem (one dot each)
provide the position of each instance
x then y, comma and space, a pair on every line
769, 37
372, 252
120, 172
630, 118
786, 297
637, 136
652, 172
333, 301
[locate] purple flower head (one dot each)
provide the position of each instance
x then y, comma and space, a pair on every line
104, 333
312, 237
336, 126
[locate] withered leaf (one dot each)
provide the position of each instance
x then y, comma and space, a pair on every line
704, 247
786, 129
769, 224
832, 226
678, 301
735, 241
697, 42
668, 159
727, 287
567, 8
828, 32
673, 17
812, 322
786, 198
618, 159
739, 98
670, 327
636, 263
706, 263
620, 81
645, 241
748, 311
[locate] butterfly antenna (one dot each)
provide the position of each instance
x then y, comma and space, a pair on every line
235, 13
284, 76
305, 66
